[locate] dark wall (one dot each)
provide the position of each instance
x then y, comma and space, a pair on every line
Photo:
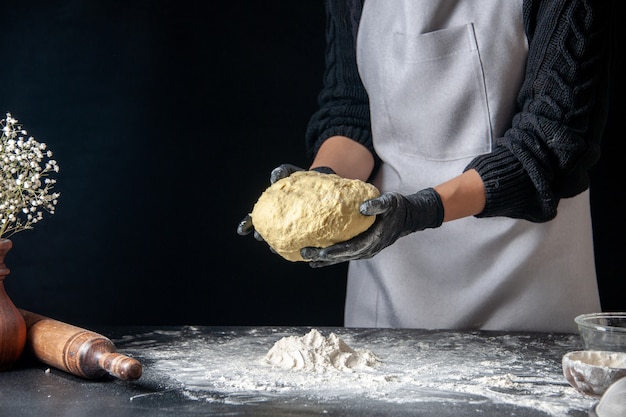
166, 118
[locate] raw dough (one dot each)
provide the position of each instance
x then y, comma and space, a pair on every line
308, 208
316, 353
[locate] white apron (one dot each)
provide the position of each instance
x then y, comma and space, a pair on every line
442, 78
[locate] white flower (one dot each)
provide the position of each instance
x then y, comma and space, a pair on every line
25, 183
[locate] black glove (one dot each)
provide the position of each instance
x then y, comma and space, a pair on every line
397, 216
245, 226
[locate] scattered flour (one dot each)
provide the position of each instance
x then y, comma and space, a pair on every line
416, 370
316, 353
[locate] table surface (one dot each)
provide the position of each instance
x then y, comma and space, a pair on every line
220, 371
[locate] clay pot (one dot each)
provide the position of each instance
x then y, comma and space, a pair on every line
12, 325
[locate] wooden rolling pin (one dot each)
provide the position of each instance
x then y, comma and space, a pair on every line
75, 350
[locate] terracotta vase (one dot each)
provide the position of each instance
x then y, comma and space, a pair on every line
12, 324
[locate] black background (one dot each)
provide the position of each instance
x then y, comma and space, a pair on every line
166, 118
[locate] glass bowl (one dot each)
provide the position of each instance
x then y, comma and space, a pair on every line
603, 331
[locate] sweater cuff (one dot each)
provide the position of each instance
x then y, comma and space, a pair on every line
509, 191
357, 134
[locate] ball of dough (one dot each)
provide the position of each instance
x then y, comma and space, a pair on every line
308, 208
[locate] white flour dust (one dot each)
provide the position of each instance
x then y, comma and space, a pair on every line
316, 353
252, 365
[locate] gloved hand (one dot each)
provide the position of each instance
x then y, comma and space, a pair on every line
397, 216
245, 226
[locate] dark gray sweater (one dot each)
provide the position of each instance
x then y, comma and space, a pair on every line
555, 134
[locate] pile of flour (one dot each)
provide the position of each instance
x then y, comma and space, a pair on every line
316, 353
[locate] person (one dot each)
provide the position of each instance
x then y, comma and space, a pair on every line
478, 121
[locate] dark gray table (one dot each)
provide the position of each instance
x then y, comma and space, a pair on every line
217, 371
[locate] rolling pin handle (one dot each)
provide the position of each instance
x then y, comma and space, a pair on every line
76, 350
121, 366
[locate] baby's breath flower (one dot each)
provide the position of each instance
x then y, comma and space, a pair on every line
24, 163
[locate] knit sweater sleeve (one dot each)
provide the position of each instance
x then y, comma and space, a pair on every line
343, 102
562, 105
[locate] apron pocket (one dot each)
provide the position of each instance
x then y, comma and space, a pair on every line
434, 95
